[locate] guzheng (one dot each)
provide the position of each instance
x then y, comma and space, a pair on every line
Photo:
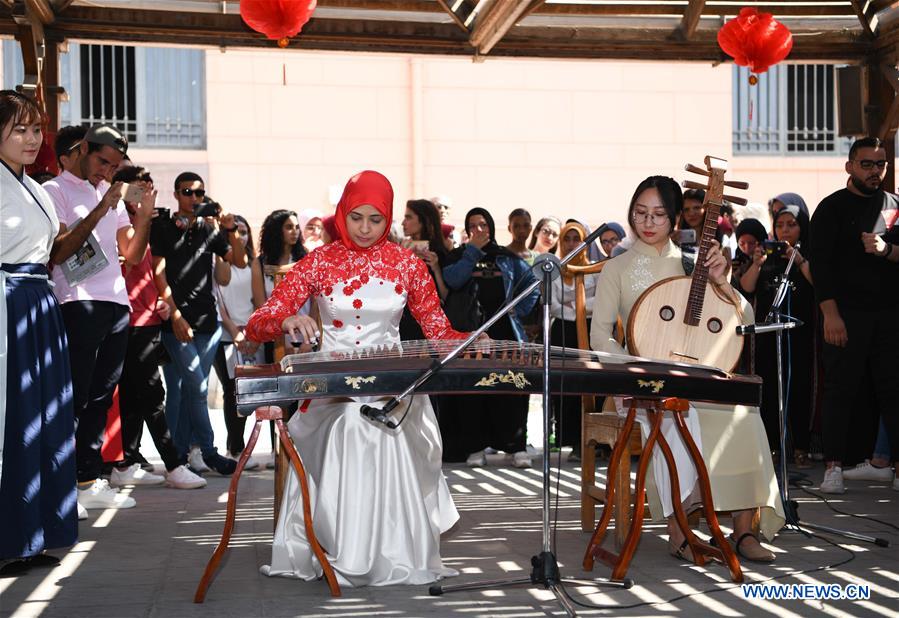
502, 367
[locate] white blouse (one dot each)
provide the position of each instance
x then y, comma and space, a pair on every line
28, 221
563, 298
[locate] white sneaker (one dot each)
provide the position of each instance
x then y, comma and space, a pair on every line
521, 459
896, 483
134, 475
252, 464
867, 472
82, 512
101, 496
833, 481
182, 478
476, 460
195, 460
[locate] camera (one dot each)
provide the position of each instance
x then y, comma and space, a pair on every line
163, 213
207, 208
774, 247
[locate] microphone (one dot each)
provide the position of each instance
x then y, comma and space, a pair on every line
753, 329
380, 415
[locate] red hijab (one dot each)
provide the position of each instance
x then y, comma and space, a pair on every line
366, 187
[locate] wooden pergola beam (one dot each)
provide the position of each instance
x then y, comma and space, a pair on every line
489, 29
457, 18
41, 10
220, 30
859, 7
690, 21
60, 5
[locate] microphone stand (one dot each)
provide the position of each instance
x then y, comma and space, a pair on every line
791, 507
545, 570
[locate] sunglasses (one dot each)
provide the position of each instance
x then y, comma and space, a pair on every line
868, 164
197, 192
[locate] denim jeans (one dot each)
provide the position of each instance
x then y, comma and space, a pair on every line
882, 448
187, 381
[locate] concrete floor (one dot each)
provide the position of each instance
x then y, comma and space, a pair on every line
146, 561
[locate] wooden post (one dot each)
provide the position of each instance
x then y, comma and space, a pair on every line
52, 88
883, 112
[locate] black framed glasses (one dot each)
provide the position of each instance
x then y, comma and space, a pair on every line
868, 164
197, 192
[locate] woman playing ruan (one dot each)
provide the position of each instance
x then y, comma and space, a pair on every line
37, 439
732, 439
376, 533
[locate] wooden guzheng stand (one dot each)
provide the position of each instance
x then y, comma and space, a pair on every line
285, 455
510, 367
655, 410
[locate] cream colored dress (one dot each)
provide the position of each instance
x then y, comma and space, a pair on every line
732, 438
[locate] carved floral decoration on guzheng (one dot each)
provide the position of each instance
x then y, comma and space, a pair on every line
355, 381
655, 385
517, 379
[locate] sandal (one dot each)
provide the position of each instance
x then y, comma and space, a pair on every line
680, 552
761, 555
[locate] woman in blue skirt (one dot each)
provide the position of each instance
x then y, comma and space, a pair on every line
38, 505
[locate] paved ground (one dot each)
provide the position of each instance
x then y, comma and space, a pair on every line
147, 561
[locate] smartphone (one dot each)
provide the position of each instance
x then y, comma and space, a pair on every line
774, 247
418, 246
133, 193
685, 237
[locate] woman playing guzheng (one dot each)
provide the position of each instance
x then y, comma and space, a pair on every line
379, 498
732, 439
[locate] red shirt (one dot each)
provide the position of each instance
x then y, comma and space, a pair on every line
142, 292
447, 230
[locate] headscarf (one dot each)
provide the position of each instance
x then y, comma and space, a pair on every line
581, 259
801, 218
329, 227
307, 215
753, 227
370, 188
593, 249
789, 199
491, 248
617, 228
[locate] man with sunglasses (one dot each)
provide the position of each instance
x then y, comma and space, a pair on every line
856, 275
184, 246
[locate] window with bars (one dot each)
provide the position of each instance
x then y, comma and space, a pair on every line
790, 111
156, 96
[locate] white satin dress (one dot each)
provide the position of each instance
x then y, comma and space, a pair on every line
379, 498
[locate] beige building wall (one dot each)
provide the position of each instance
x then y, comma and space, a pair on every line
568, 138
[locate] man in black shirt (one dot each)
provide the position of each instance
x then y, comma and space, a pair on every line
856, 279
184, 246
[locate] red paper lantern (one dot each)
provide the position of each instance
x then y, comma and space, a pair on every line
277, 19
755, 40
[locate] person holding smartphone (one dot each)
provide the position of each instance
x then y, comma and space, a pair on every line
183, 247
760, 282
421, 227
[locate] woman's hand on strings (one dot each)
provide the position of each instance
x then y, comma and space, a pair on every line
301, 328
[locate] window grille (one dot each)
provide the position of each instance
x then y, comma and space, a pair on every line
790, 111
156, 96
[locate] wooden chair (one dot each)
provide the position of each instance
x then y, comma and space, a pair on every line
601, 427
282, 460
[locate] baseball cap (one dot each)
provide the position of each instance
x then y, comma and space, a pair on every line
107, 135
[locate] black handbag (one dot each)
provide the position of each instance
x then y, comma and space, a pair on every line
462, 307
